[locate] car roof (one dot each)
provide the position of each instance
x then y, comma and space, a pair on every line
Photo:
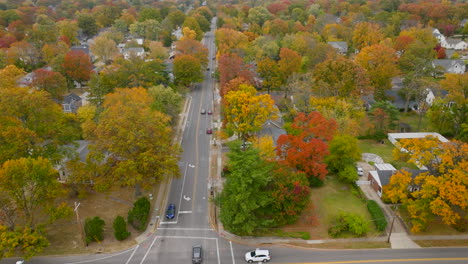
262, 251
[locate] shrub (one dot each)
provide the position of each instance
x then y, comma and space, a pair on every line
120, 228
315, 182
138, 215
348, 174
377, 214
94, 229
352, 223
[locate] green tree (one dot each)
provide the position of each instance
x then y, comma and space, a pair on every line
187, 70
94, 229
192, 23
344, 152
166, 100
138, 215
104, 48
244, 209
87, 23
120, 228
148, 29
259, 15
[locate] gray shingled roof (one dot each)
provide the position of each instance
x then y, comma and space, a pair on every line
447, 63
453, 41
341, 45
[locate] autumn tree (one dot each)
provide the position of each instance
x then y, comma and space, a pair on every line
233, 85
443, 189
457, 87
53, 54
246, 112
289, 63
192, 23
158, 51
380, 63
68, 29
259, 15
306, 148
291, 194
29, 242
149, 29
340, 77
366, 34
229, 41
50, 81
128, 120
132, 72
384, 114
24, 55
31, 184
32, 124
192, 47
266, 146
347, 112
10, 75
77, 66
231, 66
397, 189
104, 48
269, 70
187, 70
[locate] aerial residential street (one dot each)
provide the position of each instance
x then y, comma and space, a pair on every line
173, 241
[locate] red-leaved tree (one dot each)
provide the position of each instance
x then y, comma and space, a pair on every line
77, 66
231, 66
306, 148
50, 81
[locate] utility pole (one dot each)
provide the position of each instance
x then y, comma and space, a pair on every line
80, 226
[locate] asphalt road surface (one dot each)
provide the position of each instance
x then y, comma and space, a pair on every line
173, 241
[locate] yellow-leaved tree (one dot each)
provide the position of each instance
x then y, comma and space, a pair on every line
246, 112
443, 190
347, 112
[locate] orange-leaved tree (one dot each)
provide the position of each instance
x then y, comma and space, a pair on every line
306, 148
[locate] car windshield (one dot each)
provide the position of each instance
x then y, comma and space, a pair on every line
252, 254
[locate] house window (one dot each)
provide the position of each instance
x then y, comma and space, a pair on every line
66, 108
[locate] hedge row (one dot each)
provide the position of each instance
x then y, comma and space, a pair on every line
377, 215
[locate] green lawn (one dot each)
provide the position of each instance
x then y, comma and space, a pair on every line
412, 118
384, 151
372, 146
334, 197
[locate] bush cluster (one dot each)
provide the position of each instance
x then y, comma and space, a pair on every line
348, 222
377, 214
138, 215
94, 229
120, 228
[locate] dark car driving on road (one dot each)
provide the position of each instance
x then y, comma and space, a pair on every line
170, 212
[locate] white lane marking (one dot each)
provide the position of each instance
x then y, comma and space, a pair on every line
232, 253
106, 257
187, 228
186, 198
217, 251
190, 237
146, 254
185, 212
168, 223
131, 256
183, 184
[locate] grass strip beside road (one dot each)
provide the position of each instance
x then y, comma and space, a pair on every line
442, 243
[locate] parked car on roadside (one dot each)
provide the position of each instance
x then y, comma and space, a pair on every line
197, 255
170, 212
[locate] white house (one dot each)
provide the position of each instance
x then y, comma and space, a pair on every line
133, 51
450, 66
341, 46
454, 43
439, 36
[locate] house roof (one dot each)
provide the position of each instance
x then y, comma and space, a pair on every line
384, 167
341, 45
135, 49
83, 48
453, 41
68, 99
272, 129
446, 63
